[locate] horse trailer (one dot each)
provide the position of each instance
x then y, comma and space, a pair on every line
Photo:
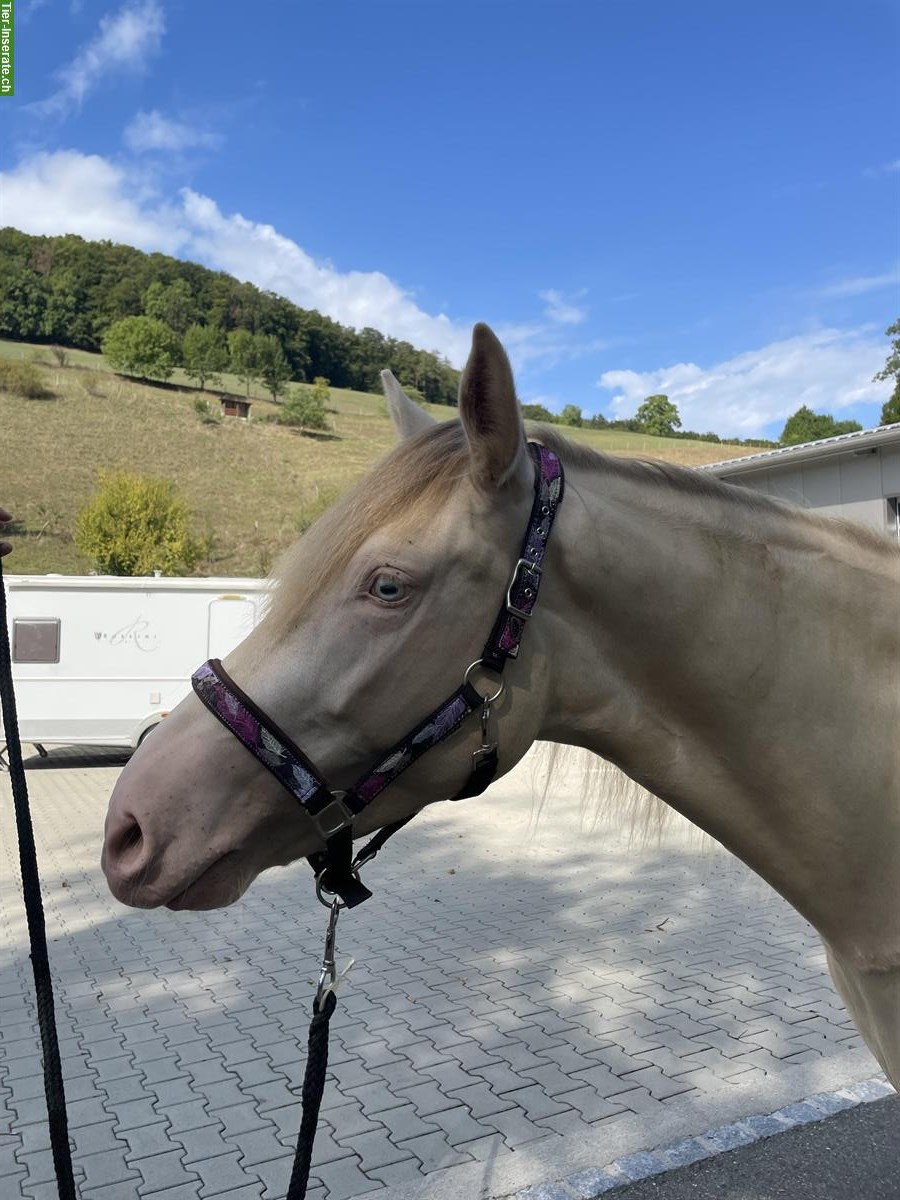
100, 660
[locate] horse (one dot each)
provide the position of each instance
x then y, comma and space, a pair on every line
735, 656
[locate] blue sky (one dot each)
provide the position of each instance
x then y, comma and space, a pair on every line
691, 198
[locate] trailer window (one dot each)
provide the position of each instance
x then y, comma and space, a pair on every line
36, 641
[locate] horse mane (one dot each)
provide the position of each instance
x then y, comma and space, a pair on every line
688, 481
419, 475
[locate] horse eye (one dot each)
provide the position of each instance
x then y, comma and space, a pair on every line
388, 588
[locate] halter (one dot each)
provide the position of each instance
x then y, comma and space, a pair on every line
331, 811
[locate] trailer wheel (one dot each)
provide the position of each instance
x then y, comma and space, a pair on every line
147, 732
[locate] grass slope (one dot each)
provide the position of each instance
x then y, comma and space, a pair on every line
251, 487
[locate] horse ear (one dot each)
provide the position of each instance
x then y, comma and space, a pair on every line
408, 418
490, 413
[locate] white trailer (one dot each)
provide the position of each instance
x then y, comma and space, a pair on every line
100, 660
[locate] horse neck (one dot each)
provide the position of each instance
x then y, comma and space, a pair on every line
739, 660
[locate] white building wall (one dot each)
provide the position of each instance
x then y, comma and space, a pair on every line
854, 485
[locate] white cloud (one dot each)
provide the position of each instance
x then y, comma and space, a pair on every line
70, 192
258, 252
126, 39
561, 310
888, 168
828, 370
860, 284
151, 131
31, 7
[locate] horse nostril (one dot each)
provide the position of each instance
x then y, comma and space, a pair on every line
125, 844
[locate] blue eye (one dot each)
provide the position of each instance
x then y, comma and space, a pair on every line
388, 588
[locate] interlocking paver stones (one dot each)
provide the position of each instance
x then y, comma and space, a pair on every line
149, 1140
343, 1180
522, 984
434, 1151
256, 1145
161, 1171
203, 1143
377, 1150
105, 1168
183, 1191
376, 1098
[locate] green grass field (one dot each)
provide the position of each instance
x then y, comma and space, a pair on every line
251, 487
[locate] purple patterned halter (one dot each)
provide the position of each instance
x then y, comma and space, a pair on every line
332, 812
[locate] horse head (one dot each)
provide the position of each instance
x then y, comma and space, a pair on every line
376, 612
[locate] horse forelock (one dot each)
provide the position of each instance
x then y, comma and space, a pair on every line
404, 488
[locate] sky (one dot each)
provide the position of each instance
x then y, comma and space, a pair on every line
694, 198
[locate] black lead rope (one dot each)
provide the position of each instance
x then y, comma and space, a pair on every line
313, 1086
54, 1091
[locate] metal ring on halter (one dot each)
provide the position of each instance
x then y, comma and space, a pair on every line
322, 891
480, 663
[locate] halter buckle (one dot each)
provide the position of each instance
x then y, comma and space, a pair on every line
334, 817
521, 564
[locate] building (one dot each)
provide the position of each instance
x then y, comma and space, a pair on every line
233, 406
853, 475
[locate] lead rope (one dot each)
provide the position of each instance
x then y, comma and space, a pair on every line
324, 1004
54, 1090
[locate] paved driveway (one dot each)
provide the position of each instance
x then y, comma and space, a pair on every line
523, 1002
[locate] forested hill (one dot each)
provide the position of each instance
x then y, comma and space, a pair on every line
67, 291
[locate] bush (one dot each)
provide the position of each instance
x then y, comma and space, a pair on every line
135, 525
304, 408
205, 412
22, 379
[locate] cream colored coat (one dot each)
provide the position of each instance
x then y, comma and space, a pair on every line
737, 657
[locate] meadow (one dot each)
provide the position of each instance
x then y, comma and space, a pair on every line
251, 487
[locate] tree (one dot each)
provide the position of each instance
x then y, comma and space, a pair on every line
204, 354
274, 369
304, 408
172, 303
890, 411
891, 370
658, 415
806, 426
537, 412
67, 290
571, 415
142, 346
320, 390
23, 301
242, 358
134, 525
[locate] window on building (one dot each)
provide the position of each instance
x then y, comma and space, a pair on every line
36, 641
893, 516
